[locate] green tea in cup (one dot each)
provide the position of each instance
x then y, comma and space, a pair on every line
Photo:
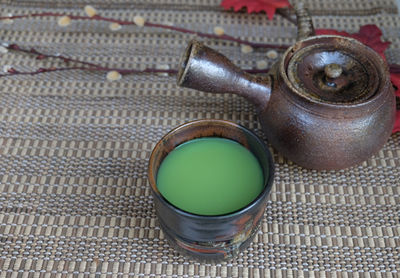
210, 176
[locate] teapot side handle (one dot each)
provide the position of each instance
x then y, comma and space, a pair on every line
305, 27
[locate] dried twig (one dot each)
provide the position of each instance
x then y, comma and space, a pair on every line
150, 24
83, 65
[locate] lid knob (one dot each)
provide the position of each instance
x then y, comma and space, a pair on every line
333, 70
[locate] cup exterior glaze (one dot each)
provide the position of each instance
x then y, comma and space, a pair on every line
203, 237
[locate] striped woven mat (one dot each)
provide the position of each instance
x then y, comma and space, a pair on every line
74, 148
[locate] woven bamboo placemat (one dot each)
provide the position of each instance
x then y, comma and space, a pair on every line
74, 147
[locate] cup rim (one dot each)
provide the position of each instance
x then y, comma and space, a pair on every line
268, 182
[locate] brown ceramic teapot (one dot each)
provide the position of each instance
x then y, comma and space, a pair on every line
328, 103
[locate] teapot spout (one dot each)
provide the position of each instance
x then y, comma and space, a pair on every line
204, 69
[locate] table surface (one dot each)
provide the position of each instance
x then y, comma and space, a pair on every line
74, 148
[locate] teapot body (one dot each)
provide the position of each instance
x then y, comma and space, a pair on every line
325, 138
332, 129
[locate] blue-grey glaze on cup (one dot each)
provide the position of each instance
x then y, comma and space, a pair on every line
203, 237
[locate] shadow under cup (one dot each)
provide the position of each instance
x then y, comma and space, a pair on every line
204, 237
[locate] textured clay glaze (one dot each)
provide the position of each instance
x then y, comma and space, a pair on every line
328, 103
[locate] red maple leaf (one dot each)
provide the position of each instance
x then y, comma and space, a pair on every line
370, 35
269, 6
395, 78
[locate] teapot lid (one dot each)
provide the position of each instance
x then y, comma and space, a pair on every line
333, 69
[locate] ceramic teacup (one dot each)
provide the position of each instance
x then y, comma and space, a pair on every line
216, 237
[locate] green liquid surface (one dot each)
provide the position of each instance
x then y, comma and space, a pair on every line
210, 176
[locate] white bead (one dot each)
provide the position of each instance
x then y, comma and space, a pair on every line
90, 11
246, 48
113, 75
7, 20
163, 67
139, 21
6, 68
219, 31
64, 21
272, 54
262, 64
115, 26
3, 50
